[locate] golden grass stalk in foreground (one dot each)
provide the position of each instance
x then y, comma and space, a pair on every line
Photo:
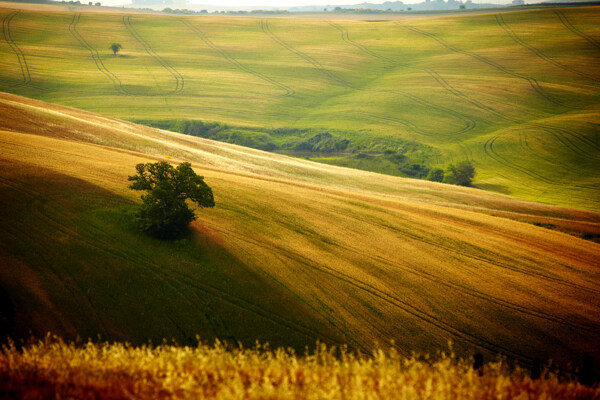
53, 368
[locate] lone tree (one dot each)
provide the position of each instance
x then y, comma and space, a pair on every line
115, 47
462, 174
164, 213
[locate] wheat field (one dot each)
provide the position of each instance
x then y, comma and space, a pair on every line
294, 251
52, 368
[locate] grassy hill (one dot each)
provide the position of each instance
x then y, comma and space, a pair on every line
514, 92
293, 252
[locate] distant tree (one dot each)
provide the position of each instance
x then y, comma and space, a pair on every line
462, 174
462, 7
115, 47
164, 213
435, 175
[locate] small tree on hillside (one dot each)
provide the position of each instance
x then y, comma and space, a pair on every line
435, 175
462, 174
115, 47
164, 213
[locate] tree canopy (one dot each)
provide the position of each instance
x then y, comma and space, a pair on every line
115, 47
164, 212
460, 174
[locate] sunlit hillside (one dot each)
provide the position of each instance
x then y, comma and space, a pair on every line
514, 92
293, 252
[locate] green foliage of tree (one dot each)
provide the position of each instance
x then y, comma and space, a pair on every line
460, 174
435, 175
164, 212
115, 47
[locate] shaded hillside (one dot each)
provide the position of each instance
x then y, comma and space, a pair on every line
515, 92
293, 252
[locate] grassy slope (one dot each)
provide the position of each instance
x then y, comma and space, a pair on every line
515, 92
294, 251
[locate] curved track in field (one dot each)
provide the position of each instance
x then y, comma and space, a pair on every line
95, 56
179, 81
288, 91
502, 23
468, 123
15, 48
391, 299
346, 38
173, 278
444, 281
565, 21
535, 85
264, 25
572, 140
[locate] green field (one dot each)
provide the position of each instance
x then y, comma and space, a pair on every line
517, 93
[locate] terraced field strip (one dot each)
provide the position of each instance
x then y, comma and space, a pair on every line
264, 25
179, 82
15, 48
288, 91
535, 85
95, 56
536, 51
565, 21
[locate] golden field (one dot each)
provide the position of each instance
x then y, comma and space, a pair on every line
294, 251
54, 369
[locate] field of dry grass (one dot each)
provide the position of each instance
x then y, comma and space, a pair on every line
293, 252
54, 369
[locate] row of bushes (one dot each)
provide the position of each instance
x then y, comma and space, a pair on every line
393, 156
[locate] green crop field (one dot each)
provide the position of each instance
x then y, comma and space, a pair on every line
517, 93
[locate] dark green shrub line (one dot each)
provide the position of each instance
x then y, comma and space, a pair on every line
392, 156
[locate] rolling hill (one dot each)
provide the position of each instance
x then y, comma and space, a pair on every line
294, 251
514, 92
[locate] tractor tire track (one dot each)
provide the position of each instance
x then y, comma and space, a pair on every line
288, 91
95, 56
15, 48
34, 202
386, 297
364, 49
535, 85
552, 130
159, 270
477, 293
264, 25
469, 124
564, 20
502, 23
179, 81
488, 148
